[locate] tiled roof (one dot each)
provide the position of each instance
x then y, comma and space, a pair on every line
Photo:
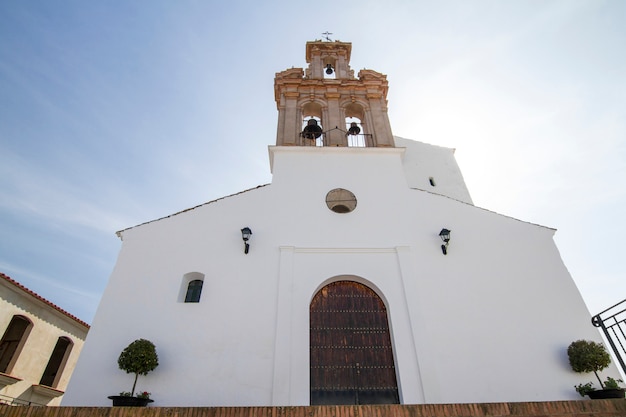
40, 298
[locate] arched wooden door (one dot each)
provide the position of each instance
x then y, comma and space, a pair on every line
351, 353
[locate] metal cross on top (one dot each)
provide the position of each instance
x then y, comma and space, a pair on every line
327, 36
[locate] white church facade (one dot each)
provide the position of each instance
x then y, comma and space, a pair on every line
344, 293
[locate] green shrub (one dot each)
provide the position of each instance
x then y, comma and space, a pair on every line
612, 383
584, 389
138, 358
588, 356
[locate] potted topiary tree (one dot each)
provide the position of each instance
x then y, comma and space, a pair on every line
138, 358
588, 356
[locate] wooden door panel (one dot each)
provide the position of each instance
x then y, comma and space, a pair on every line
351, 353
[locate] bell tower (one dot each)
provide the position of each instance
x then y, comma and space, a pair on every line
325, 105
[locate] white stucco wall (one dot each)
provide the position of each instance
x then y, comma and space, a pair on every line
423, 162
488, 322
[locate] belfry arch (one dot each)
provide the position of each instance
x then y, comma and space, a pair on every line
312, 114
351, 354
357, 128
353, 109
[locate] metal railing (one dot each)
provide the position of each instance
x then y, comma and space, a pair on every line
612, 321
352, 141
6, 400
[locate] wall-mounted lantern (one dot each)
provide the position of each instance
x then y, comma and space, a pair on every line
245, 235
445, 236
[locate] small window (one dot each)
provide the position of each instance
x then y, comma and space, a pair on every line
340, 200
13, 341
431, 180
191, 287
57, 361
194, 289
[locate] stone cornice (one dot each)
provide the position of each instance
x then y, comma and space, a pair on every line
316, 47
371, 84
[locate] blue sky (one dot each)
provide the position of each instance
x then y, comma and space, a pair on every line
119, 112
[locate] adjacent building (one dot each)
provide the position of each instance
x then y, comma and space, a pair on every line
362, 274
39, 347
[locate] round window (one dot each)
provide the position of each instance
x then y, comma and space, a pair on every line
340, 200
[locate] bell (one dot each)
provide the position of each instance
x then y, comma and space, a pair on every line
329, 69
312, 130
354, 129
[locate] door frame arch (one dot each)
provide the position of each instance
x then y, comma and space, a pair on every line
351, 277
351, 351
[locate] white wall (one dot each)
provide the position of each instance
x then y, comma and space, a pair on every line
488, 322
423, 161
